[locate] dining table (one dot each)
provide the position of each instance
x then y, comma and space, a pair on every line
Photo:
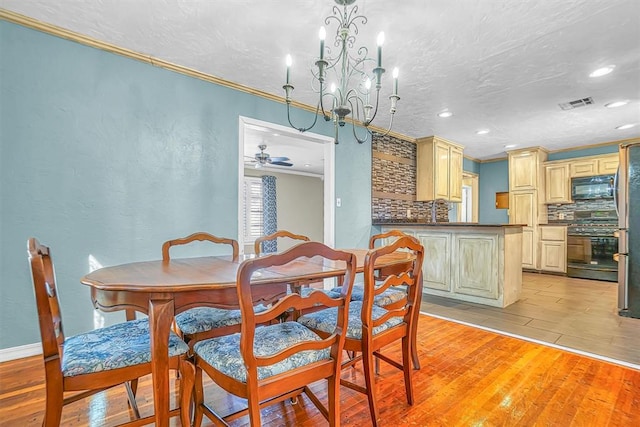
162, 289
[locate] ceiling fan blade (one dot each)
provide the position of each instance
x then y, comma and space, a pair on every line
282, 163
279, 159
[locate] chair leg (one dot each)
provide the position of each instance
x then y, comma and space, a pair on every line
254, 410
53, 408
333, 395
199, 398
187, 378
370, 383
406, 368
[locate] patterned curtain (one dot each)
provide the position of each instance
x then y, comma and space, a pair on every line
269, 212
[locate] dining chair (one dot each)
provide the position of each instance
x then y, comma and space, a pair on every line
201, 323
94, 361
258, 244
371, 327
271, 363
393, 297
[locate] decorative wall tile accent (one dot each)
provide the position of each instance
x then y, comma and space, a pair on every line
394, 181
568, 210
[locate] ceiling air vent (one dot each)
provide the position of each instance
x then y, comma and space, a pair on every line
577, 103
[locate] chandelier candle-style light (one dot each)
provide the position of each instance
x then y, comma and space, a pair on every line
354, 73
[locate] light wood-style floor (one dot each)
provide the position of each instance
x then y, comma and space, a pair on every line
469, 377
577, 314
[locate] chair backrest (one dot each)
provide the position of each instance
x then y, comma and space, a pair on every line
257, 246
46, 292
249, 295
386, 238
389, 234
410, 276
199, 237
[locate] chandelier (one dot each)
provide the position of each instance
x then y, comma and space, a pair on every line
354, 73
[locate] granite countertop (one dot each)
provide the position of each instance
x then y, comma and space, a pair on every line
438, 224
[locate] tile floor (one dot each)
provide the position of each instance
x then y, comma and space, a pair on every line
577, 314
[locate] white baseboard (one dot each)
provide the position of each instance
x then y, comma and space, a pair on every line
13, 353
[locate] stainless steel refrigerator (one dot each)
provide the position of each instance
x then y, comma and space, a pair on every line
628, 205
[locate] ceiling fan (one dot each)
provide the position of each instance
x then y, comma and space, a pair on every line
262, 158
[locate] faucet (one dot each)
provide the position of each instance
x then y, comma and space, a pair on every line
434, 206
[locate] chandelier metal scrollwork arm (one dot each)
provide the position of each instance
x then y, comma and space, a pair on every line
350, 94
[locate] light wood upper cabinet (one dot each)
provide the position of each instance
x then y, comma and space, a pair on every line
594, 165
587, 167
522, 208
438, 170
523, 171
557, 183
608, 165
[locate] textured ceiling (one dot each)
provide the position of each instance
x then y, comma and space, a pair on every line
501, 65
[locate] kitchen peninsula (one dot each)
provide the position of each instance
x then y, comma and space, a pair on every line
479, 263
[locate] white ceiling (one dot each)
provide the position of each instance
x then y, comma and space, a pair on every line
501, 65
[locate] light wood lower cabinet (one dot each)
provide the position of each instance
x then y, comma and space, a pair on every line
529, 246
553, 252
481, 264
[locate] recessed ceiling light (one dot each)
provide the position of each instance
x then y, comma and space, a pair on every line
445, 114
627, 126
602, 71
510, 146
482, 131
307, 165
616, 104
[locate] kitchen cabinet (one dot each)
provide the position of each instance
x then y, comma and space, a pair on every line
608, 165
470, 262
557, 183
594, 165
438, 170
553, 248
526, 199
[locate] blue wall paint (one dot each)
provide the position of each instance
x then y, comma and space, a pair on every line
108, 157
470, 166
494, 177
593, 151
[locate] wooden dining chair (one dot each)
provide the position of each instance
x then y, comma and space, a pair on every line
372, 327
258, 244
205, 322
269, 364
94, 361
393, 297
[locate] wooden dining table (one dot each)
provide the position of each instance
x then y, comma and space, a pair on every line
163, 289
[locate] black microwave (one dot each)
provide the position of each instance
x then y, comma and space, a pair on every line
592, 187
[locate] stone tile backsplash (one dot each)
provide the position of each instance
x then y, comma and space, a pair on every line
398, 180
568, 210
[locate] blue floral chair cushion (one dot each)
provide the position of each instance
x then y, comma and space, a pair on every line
223, 353
325, 320
117, 346
203, 319
389, 296
333, 293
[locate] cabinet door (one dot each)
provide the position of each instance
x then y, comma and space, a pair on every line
583, 168
476, 265
529, 245
557, 184
455, 174
522, 208
442, 171
523, 171
608, 165
436, 267
553, 256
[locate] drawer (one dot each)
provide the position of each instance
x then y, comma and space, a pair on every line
553, 233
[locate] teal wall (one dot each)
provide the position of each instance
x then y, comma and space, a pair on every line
593, 151
106, 157
494, 178
469, 165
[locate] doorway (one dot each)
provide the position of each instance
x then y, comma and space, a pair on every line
284, 142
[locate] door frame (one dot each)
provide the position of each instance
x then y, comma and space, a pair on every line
328, 173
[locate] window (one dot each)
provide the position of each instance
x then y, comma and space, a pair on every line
252, 209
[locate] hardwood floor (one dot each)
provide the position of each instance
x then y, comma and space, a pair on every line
577, 314
469, 377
